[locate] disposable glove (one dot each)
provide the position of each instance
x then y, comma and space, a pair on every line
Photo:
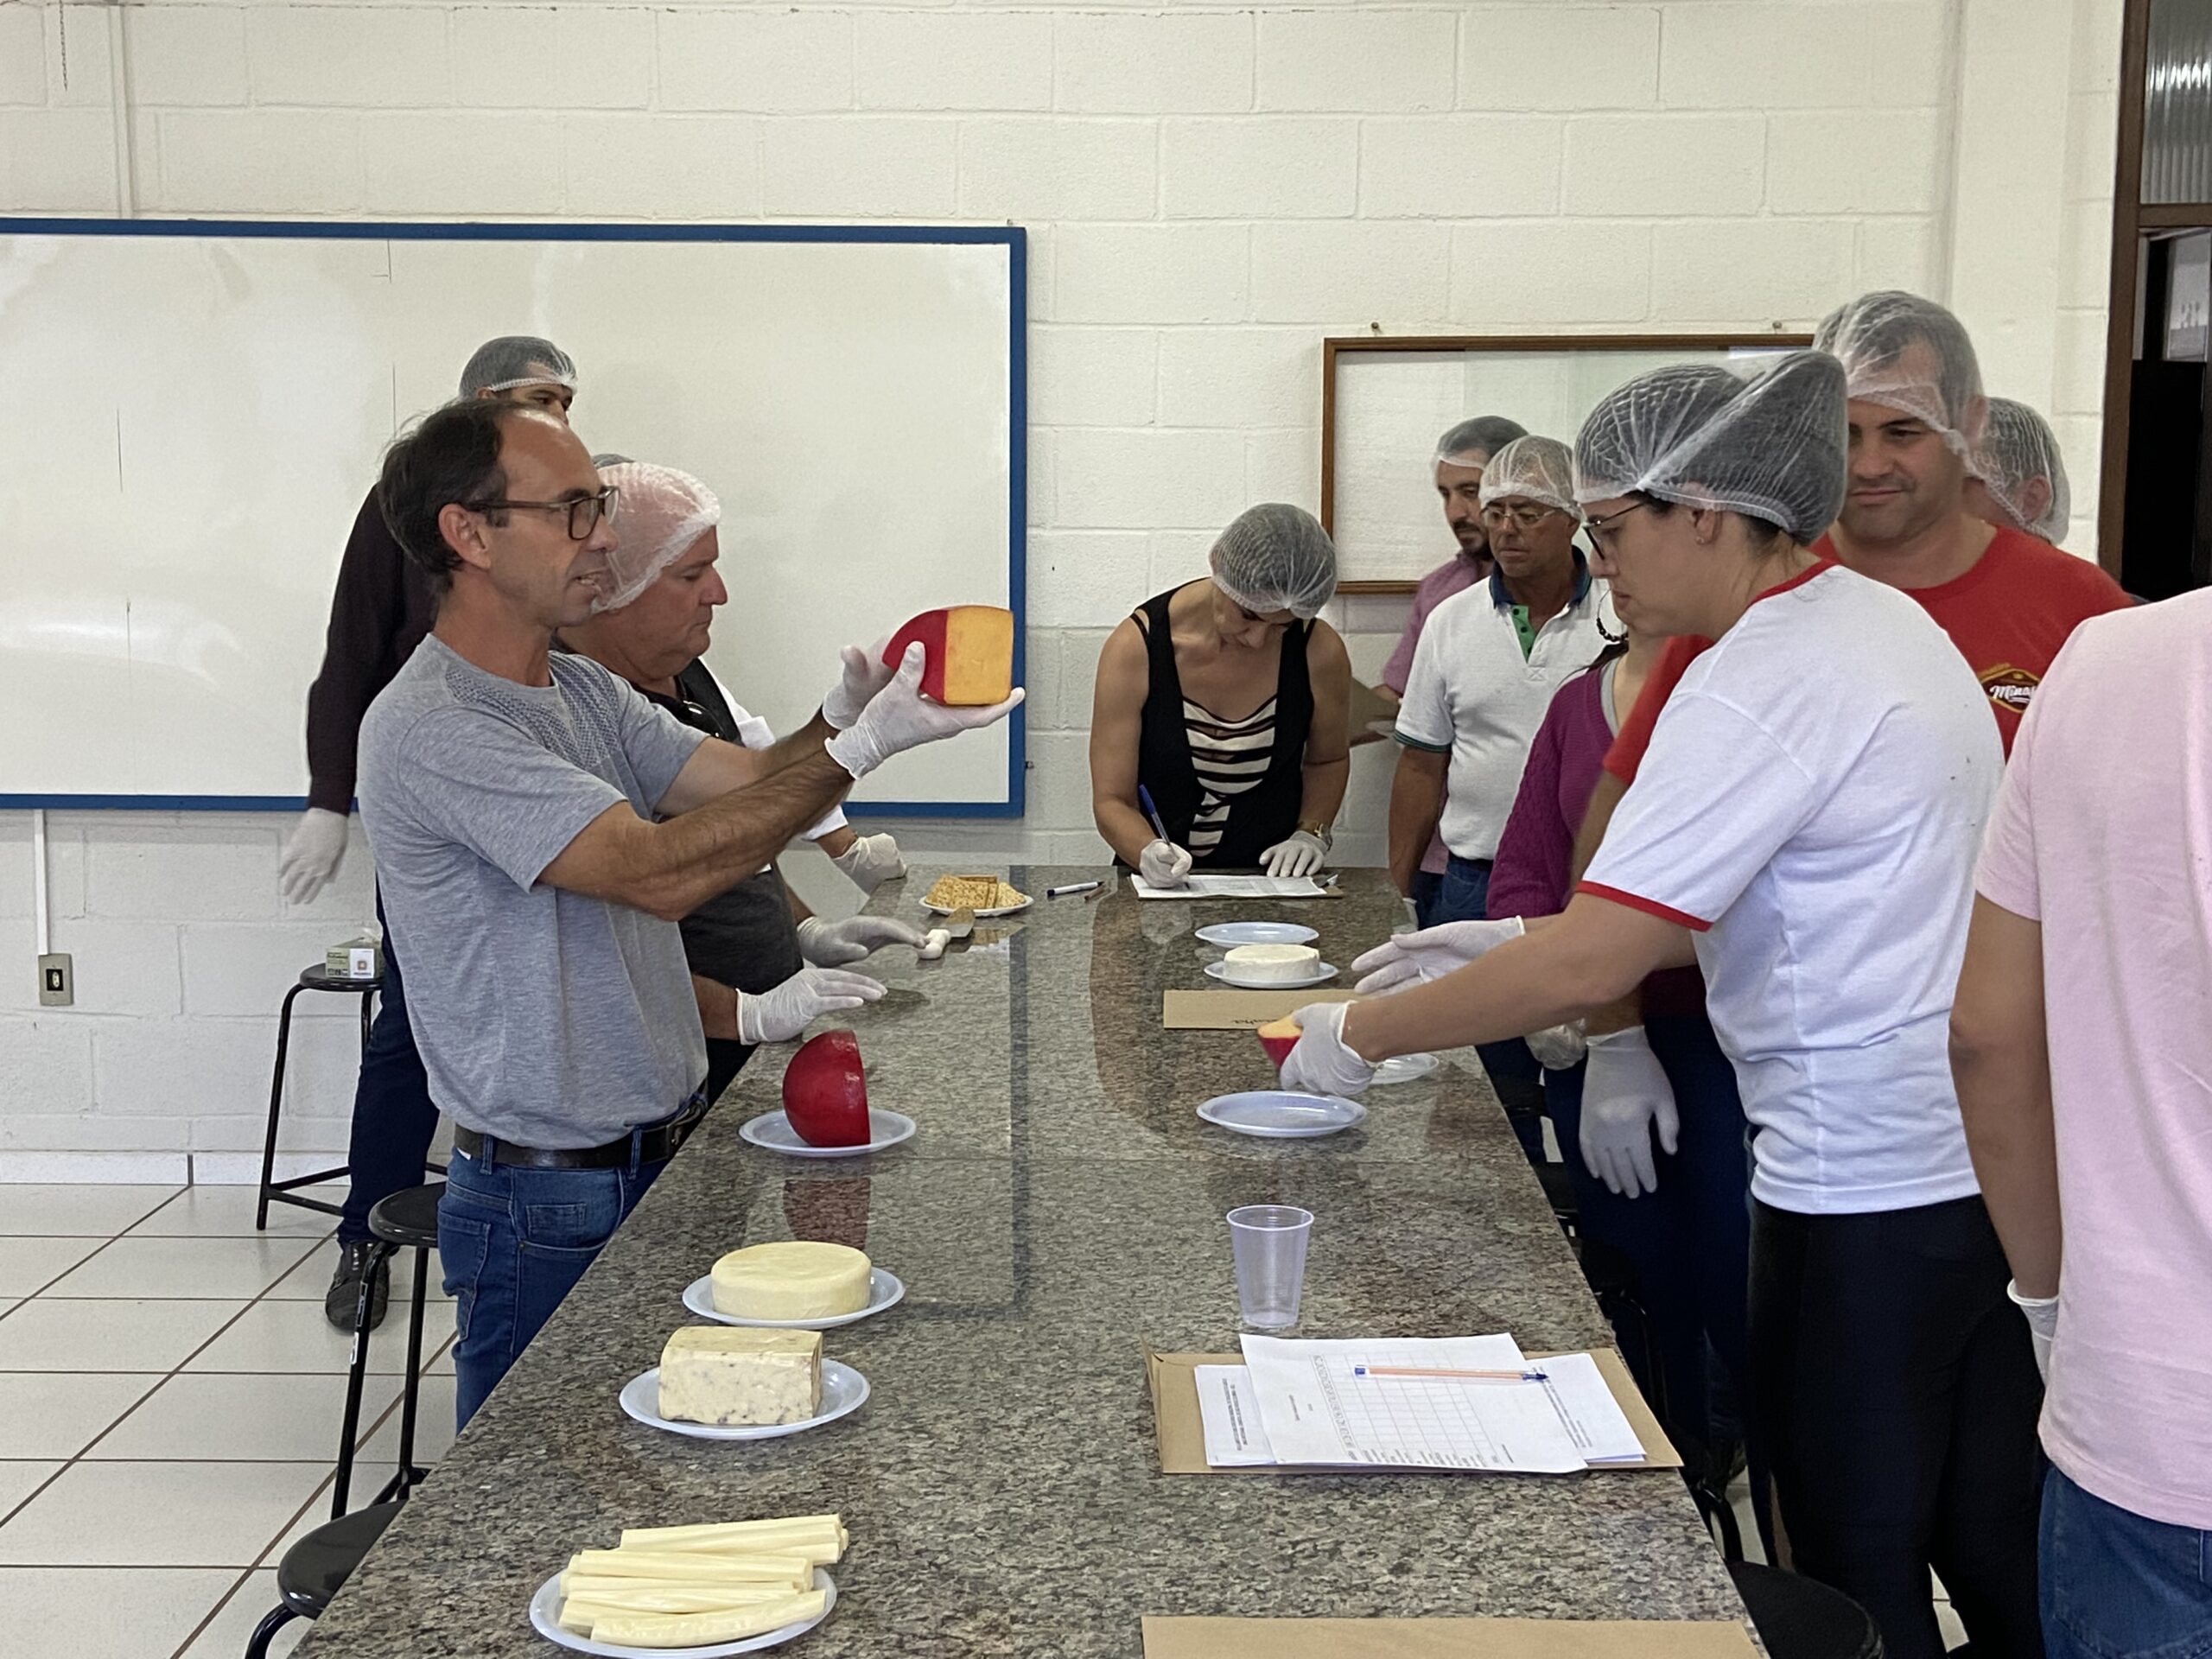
864, 673
779, 1015
1410, 958
2042, 1314
1163, 864
1558, 1048
832, 945
1625, 1097
1300, 855
311, 854
899, 718
870, 861
1323, 1064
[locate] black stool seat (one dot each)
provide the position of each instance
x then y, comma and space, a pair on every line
316, 979
409, 1217
1559, 1191
1797, 1618
316, 1569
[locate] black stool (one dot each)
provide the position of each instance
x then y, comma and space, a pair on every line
1797, 1618
408, 1219
311, 979
316, 1569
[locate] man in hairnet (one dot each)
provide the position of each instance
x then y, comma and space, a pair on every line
381, 610
1488, 663
763, 966
2018, 480
1224, 703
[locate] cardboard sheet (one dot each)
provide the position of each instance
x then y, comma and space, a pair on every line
1238, 1010
1181, 1437
1443, 1638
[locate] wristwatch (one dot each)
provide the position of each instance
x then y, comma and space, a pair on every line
1320, 832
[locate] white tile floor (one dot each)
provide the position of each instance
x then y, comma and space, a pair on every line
170, 1401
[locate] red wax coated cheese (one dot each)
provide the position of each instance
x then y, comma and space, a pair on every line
970, 653
825, 1093
1278, 1037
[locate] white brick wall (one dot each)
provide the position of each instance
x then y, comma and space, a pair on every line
1209, 189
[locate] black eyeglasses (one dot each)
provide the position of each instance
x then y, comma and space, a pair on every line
1595, 525
584, 510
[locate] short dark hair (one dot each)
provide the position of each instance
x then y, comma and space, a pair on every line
452, 456
1486, 433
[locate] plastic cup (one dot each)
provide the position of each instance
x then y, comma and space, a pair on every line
1269, 1242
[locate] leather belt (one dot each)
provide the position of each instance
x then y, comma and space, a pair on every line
648, 1144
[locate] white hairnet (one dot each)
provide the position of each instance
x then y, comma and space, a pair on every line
514, 360
1911, 355
1276, 557
663, 512
2018, 447
1771, 447
1541, 469
1485, 435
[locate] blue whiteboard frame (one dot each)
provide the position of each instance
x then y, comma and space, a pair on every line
1013, 237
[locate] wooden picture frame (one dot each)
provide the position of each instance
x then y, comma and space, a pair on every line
1335, 351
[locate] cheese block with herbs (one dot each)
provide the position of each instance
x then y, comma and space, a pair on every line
729, 1376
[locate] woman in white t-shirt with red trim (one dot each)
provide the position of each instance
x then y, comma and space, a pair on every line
1805, 830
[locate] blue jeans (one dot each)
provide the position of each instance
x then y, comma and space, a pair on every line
513, 1243
2118, 1586
1463, 896
393, 1118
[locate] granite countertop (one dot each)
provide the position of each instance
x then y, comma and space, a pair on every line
1060, 1207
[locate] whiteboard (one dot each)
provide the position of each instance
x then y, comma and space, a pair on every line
1391, 407
191, 412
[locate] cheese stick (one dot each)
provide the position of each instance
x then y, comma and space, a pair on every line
647, 1596
763, 1536
703, 1630
694, 1567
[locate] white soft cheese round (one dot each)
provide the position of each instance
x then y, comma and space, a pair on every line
1269, 964
796, 1280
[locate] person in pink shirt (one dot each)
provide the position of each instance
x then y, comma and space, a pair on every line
2083, 1055
1461, 454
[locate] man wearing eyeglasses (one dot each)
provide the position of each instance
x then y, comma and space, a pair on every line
1489, 660
539, 829
381, 608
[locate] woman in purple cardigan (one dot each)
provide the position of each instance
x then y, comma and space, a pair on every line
1677, 1212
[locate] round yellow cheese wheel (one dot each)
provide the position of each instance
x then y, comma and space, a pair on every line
1253, 964
796, 1280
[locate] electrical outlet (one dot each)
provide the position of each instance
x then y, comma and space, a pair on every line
57, 981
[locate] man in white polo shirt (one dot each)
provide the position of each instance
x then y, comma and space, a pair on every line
1484, 673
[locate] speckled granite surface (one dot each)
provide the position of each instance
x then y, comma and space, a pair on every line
1061, 1205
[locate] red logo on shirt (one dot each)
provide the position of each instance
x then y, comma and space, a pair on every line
2010, 687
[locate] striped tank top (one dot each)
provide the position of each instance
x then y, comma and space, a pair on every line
1230, 757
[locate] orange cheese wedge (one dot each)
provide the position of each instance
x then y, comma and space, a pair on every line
970, 653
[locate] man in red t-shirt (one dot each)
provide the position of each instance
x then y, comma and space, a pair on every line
2008, 601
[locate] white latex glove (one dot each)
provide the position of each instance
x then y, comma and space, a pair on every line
1625, 1097
1558, 1048
1164, 864
832, 945
2042, 1313
1323, 1064
899, 718
781, 1014
870, 861
311, 854
1300, 855
862, 673
1431, 953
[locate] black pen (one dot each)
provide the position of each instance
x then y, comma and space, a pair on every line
1072, 887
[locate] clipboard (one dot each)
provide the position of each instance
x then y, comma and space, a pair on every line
1238, 1010
1181, 1435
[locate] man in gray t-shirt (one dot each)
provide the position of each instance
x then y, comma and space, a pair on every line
538, 829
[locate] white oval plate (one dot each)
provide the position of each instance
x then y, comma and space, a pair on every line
546, 1617
984, 915
1281, 1114
844, 1390
773, 1131
1257, 933
1321, 975
1404, 1068
884, 1290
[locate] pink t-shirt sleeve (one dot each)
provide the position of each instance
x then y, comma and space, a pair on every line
1400, 668
1528, 875
2007, 874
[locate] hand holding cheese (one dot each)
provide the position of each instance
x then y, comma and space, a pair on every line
1278, 1037
793, 1279
725, 1374
826, 1091
692, 1586
1323, 1063
899, 718
969, 653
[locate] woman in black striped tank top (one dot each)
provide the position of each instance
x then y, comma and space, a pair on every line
1229, 704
